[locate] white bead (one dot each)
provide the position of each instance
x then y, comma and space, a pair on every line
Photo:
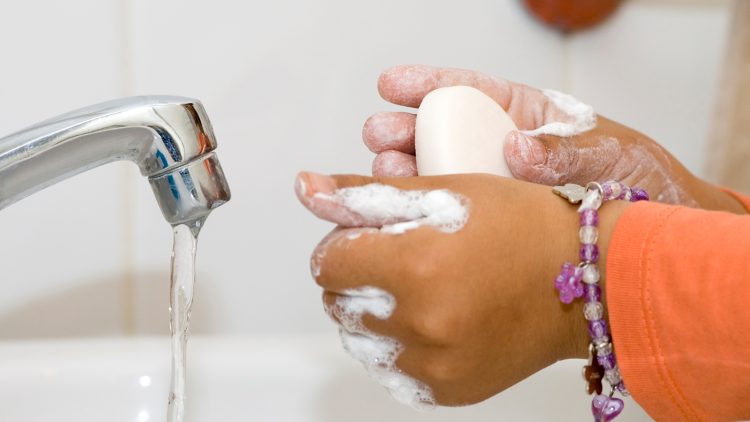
593, 311
612, 376
588, 235
616, 190
599, 342
591, 274
604, 349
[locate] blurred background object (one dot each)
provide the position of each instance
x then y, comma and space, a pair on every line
729, 145
571, 15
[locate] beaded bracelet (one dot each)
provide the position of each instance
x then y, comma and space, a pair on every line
582, 280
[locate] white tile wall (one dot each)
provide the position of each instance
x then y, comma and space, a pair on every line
655, 67
287, 85
62, 249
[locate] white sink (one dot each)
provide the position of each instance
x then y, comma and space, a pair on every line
245, 379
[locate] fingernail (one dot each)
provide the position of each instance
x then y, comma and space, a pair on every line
531, 149
309, 183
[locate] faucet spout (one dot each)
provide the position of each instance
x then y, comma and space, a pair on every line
169, 138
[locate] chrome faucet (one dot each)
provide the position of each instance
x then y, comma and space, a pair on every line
169, 138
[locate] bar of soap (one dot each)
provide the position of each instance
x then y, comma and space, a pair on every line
461, 130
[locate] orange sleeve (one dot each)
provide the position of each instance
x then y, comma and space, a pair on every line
678, 295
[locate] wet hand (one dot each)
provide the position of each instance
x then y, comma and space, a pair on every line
475, 309
610, 151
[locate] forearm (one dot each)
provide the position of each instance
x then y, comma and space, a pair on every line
712, 198
560, 243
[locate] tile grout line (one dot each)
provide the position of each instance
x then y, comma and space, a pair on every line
127, 201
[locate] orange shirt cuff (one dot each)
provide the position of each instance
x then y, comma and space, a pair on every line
677, 294
633, 336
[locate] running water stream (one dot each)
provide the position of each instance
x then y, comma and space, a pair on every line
180, 303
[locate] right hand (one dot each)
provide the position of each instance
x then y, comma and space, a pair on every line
610, 151
475, 310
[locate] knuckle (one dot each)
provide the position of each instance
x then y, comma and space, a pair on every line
418, 270
438, 327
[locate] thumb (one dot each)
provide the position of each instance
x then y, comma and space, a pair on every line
361, 201
552, 160
317, 193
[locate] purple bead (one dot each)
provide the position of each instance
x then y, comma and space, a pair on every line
639, 195
566, 271
593, 293
598, 328
623, 191
578, 289
605, 408
569, 283
589, 253
566, 296
613, 190
589, 217
607, 361
622, 389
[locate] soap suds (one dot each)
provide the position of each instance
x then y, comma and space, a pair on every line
397, 211
379, 208
353, 303
377, 353
579, 117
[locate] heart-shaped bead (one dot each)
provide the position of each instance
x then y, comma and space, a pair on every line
606, 408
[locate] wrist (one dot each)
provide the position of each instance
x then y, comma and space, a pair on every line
574, 336
586, 281
709, 197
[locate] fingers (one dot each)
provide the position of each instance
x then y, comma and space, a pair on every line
407, 85
552, 160
352, 258
316, 192
346, 201
390, 131
394, 164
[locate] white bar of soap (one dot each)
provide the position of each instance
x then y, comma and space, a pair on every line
461, 130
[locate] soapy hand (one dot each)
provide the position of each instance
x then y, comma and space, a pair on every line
601, 150
448, 279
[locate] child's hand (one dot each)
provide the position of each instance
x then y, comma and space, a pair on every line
476, 310
610, 151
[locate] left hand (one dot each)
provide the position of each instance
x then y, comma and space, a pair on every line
609, 151
476, 310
